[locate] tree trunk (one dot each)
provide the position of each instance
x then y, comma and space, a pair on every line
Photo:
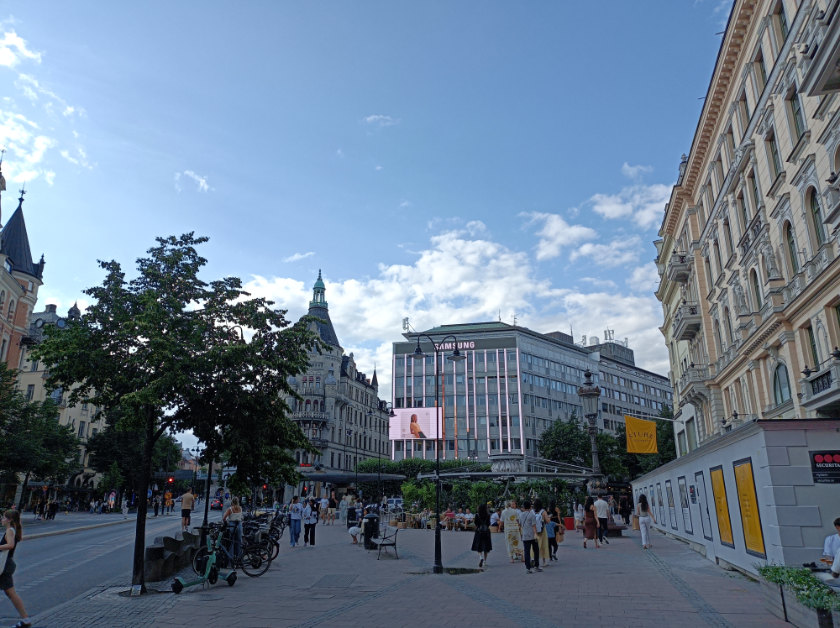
138, 574
23, 492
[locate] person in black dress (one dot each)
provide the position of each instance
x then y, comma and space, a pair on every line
482, 543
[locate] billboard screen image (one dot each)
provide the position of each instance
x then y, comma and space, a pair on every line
409, 423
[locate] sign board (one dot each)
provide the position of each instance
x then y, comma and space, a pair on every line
748, 504
412, 423
825, 466
721, 506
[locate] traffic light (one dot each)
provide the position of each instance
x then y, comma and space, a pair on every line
265, 486
305, 491
170, 480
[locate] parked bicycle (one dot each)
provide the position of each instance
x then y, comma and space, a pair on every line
253, 558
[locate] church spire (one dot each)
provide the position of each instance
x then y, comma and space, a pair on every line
318, 291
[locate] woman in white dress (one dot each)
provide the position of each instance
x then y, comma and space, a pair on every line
513, 536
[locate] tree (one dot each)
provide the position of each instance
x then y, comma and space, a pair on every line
166, 351
32, 442
113, 479
567, 441
114, 445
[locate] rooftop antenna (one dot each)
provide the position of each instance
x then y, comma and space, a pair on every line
514, 319
500, 315
405, 324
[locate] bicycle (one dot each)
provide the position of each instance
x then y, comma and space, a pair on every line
206, 568
254, 560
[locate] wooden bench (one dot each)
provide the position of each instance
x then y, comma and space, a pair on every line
389, 539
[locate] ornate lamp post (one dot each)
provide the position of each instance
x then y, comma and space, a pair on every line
589, 395
456, 356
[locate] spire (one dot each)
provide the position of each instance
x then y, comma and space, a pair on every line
74, 312
318, 309
374, 382
14, 243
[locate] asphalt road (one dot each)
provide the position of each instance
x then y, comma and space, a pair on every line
54, 569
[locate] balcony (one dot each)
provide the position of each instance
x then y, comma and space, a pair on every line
679, 267
751, 234
692, 377
310, 417
320, 443
820, 390
687, 321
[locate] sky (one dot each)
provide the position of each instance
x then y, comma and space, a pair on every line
442, 161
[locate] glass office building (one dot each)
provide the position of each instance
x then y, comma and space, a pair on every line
513, 384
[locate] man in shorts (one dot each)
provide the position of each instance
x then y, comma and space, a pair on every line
331, 506
187, 501
322, 511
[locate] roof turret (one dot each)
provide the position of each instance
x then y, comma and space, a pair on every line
318, 309
14, 243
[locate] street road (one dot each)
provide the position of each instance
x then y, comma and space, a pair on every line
54, 569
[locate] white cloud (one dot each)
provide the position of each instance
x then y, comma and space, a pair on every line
619, 252
404, 204
644, 203
79, 159
380, 120
556, 233
600, 283
463, 276
339, 153
378, 168
200, 181
634, 172
26, 146
298, 256
644, 279
35, 91
13, 48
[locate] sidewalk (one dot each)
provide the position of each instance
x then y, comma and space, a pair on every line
336, 583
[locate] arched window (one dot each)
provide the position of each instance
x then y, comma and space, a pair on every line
756, 286
2, 298
816, 217
793, 258
11, 309
781, 385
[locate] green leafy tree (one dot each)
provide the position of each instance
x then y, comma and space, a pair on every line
113, 479
166, 351
32, 442
566, 441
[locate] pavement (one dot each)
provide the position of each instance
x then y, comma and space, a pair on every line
339, 584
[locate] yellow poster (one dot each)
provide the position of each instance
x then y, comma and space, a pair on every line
721, 506
641, 436
748, 503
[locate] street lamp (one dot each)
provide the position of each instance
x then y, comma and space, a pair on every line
456, 356
589, 394
356, 459
195, 452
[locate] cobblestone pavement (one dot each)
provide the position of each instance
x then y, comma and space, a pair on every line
336, 583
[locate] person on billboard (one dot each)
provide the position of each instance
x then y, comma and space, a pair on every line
414, 426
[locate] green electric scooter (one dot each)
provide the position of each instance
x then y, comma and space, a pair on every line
211, 573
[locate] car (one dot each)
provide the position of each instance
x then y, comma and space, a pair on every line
216, 504
395, 503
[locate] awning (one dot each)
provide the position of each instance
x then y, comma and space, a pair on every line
349, 477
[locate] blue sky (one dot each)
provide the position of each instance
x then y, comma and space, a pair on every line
442, 161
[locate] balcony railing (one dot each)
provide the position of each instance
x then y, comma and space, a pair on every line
310, 416
820, 390
687, 321
692, 376
751, 234
679, 268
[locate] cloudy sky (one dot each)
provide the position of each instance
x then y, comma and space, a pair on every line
442, 161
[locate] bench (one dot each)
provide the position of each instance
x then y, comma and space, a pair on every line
614, 529
389, 539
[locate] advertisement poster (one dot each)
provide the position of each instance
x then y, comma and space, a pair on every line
672, 509
686, 511
415, 423
661, 504
721, 506
641, 435
748, 504
703, 502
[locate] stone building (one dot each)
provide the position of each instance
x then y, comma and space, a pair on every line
340, 410
511, 386
750, 291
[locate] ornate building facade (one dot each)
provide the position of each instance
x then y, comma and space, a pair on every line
748, 255
339, 410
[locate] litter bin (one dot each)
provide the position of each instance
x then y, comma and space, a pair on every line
371, 530
569, 523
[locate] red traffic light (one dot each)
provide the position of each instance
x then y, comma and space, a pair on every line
265, 486
170, 480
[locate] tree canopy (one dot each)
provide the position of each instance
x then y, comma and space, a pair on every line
166, 352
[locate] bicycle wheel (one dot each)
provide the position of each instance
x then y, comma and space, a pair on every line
275, 550
253, 564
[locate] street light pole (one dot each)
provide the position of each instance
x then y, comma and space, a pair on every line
589, 394
455, 357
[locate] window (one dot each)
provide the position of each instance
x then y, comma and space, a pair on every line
812, 344
792, 252
756, 197
727, 234
816, 217
30, 392
773, 155
796, 115
744, 113
781, 24
11, 314
742, 209
82, 429
760, 72
781, 385
756, 290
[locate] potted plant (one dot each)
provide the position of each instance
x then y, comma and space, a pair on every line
801, 599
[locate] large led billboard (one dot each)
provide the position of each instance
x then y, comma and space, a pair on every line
408, 423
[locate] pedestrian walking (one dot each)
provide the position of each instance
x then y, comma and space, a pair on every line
11, 537
187, 501
590, 523
156, 503
551, 531
310, 520
331, 506
125, 508
645, 515
513, 534
482, 543
542, 535
602, 511
295, 515
528, 527
579, 516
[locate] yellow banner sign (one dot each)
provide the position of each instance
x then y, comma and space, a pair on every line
641, 435
721, 506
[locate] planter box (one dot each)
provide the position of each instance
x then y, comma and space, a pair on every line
783, 604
